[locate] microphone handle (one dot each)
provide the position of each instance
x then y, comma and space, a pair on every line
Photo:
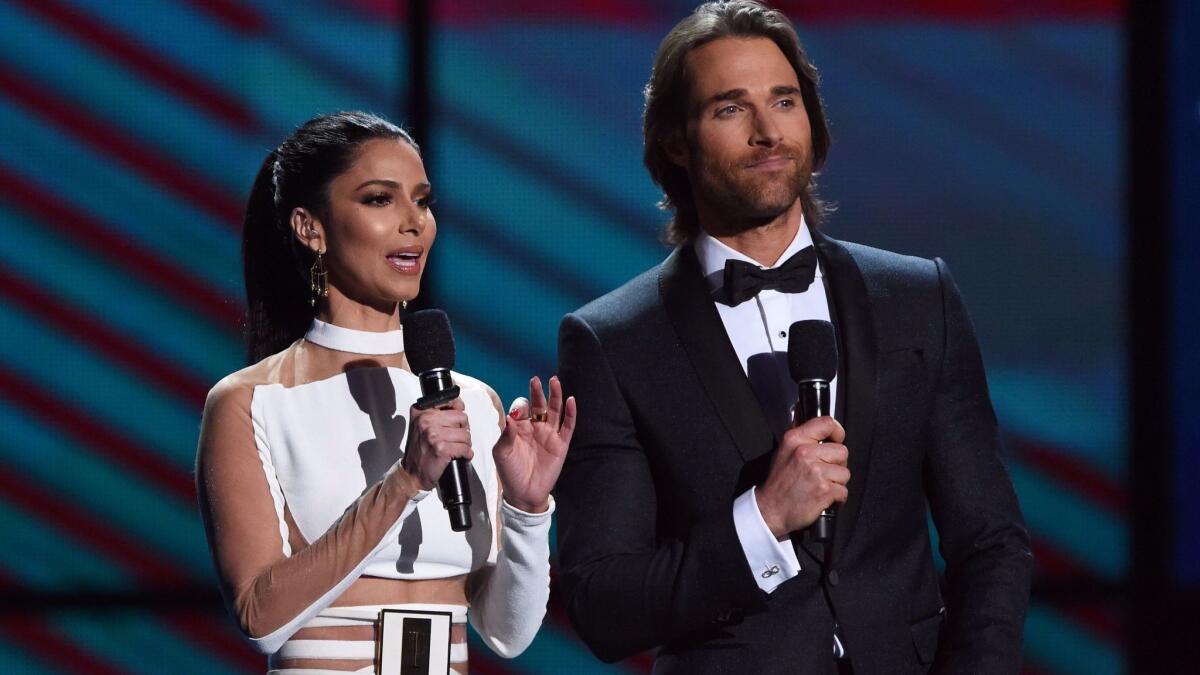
437, 390
814, 402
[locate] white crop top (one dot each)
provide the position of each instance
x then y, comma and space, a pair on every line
323, 443
325, 422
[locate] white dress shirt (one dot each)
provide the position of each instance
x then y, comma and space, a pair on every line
758, 329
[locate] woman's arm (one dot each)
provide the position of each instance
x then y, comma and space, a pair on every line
508, 599
273, 594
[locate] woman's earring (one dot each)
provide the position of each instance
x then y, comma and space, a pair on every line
318, 279
403, 304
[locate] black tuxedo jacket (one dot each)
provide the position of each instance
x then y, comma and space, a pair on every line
670, 433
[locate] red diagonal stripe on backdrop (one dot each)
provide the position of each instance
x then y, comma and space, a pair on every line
86, 530
139, 359
139, 461
805, 12
205, 631
48, 646
1073, 473
145, 62
156, 168
950, 10
1051, 563
234, 14
149, 571
121, 251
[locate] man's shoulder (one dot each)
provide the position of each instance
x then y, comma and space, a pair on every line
872, 260
888, 272
626, 306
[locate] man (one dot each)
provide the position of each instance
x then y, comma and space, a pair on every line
685, 505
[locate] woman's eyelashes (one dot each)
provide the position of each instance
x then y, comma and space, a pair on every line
386, 199
377, 199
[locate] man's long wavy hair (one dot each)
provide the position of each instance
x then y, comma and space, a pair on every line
669, 91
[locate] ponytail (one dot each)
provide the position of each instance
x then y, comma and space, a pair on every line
277, 307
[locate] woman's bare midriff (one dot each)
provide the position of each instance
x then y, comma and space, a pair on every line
376, 591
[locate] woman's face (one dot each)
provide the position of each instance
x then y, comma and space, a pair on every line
380, 227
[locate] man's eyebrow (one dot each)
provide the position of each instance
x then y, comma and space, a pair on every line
731, 95
784, 90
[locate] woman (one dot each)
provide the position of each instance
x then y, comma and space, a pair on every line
315, 474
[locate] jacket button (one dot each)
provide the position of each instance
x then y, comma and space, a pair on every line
832, 577
728, 616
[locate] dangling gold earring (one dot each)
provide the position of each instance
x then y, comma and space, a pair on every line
318, 279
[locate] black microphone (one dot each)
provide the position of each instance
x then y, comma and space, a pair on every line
429, 346
812, 359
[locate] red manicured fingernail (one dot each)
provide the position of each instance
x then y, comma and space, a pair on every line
516, 414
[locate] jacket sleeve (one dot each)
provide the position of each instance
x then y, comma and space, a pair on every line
627, 589
982, 535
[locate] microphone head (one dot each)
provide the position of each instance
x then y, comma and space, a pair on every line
812, 351
428, 342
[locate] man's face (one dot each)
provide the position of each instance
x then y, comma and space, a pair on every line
749, 144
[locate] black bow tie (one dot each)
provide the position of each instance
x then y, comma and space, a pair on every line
744, 280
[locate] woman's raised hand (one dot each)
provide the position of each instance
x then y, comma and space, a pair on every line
437, 436
533, 445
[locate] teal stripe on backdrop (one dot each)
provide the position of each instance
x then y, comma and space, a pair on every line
105, 89
112, 297
558, 234
80, 378
473, 82
87, 482
1062, 411
509, 377
1054, 642
127, 203
192, 40
44, 558
1094, 538
365, 44
20, 658
137, 642
863, 96
515, 304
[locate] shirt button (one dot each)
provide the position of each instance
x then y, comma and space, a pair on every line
833, 578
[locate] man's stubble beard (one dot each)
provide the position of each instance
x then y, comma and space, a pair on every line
743, 200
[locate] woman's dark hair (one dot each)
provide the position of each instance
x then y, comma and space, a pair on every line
669, 90
274, 262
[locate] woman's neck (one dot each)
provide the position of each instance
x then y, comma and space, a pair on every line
342, 311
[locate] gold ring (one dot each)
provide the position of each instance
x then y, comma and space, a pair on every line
539, 415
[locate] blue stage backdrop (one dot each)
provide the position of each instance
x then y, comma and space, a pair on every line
986, 133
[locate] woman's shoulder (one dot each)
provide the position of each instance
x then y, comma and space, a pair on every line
237, 388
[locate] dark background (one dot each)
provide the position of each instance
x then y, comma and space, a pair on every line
1046, 150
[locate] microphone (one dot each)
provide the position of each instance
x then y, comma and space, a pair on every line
429, 346
812, 360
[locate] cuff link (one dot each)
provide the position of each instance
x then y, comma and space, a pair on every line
770, 572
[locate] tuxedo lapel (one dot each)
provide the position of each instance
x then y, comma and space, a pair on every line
857, 371
689, 305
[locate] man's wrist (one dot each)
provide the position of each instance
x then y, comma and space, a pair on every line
768, 515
